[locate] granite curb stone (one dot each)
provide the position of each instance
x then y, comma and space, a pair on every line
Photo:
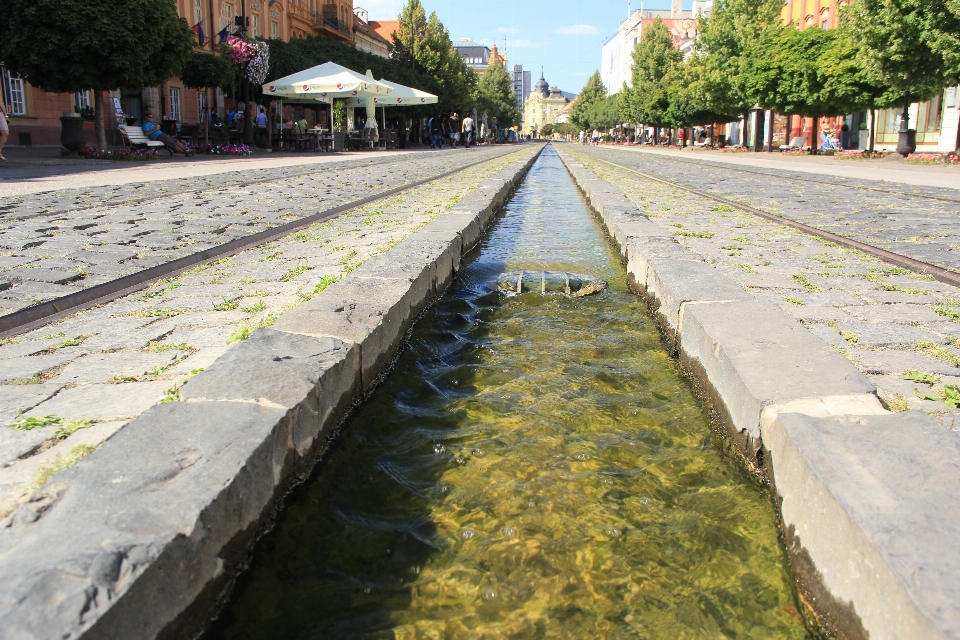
135, 567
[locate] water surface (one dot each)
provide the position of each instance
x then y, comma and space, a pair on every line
534, 467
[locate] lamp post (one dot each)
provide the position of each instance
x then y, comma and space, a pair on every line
247, 111
907, 138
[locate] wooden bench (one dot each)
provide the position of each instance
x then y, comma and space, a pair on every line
137, 138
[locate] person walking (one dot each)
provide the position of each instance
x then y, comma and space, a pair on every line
4, 127
436, 132
468, 126
262, 122
454, 123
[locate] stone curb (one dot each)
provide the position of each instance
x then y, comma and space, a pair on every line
867, 497
143, 537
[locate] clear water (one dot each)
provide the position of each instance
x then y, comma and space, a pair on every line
535, 467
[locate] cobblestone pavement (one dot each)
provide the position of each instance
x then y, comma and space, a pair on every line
921, 222
68, 386
56, 243
900, 329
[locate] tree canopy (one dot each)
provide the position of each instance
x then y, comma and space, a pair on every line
593, 91
655, 63
202, 70
74, 45
494, 95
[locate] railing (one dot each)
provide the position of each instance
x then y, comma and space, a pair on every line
319, 20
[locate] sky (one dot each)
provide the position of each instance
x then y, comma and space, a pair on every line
563, 36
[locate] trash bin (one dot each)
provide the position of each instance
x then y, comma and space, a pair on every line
71, 132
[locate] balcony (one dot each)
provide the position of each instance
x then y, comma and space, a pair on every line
331, 26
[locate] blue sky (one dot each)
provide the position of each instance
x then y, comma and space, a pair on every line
564, 36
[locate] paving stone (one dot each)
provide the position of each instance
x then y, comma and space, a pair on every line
30, 366
893, 361
885, 334
200, 337
43, 275
200, 360
103, 402
16, 398
103, 367
16, 444
894, 313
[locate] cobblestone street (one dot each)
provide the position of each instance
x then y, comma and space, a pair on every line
68, 386
899, 328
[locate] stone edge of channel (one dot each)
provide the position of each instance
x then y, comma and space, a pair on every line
866, 496
143, 537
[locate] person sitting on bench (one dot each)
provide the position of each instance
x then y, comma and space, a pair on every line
153, 132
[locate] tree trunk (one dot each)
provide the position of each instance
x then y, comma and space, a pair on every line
815, 143
100, 119
206, 129
873, 128
770, 122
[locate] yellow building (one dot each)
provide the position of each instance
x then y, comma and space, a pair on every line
543, 106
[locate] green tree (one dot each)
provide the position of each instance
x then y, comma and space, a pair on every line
593, 91
729, 38
74, 45
547, 130
655, 63
605, 114
203, 71
424, 44
494, 95
901, 47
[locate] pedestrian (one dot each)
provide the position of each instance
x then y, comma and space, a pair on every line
4, 127
231, 116
468, 126
436, 132
153, 132
215, 120
454, 124
262, 122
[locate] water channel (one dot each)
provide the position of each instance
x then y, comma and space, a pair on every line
535, 467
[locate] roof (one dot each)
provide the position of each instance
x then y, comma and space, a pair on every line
366, 28
385, 28
468, 43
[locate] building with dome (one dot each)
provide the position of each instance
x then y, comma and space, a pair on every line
543, 106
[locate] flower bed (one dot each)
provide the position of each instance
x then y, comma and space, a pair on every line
859, 155
119, 154
223, 149
934, 158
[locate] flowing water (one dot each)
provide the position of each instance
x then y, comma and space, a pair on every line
534, 467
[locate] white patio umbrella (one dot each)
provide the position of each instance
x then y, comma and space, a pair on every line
325, 82
402, 96
372, 113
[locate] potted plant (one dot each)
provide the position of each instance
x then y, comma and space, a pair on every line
339, 124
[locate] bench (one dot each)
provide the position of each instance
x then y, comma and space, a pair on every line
137, 138
797, 143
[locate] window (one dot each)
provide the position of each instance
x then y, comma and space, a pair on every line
14, 95
823, 25
175, 103
202, 106
198, 10
228, 12
274, 30
81, 99
256, 25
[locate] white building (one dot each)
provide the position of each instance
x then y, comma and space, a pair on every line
617, 54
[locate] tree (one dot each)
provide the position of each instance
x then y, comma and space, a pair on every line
75, 45
729, 39
593, 91
203, 71
547, 130
900, 47
655, 61
494, 95
605, 114
424, 44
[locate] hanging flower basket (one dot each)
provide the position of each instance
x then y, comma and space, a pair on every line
252, 56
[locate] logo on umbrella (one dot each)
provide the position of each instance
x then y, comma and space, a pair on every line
354, 92
399, 100
306, 87
339, 85
272, 88
423, 99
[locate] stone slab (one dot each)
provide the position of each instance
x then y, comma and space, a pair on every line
898, 312
103, 367
872, 500
30, 366
103, 402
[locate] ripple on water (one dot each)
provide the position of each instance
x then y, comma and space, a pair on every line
558, 482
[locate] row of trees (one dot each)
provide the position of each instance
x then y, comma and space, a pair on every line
886, 52
67, 46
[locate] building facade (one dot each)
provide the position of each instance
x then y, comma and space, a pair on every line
35, 114
476, 55
366, 37
543, 106
521, 85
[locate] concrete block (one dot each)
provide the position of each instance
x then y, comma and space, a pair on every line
754, 355
150, 514
870, 501
312, 378
369, 312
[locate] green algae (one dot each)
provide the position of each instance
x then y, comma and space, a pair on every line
535, 467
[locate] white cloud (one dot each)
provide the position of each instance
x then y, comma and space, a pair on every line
578, 30
381, 9
508, 30
525, 44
